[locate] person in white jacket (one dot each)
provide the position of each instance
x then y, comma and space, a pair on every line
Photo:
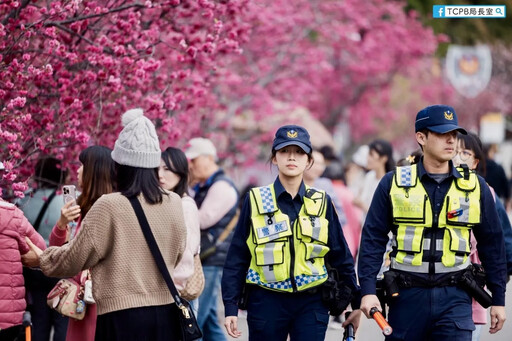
173, 176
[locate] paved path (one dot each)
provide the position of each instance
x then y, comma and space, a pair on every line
369, 331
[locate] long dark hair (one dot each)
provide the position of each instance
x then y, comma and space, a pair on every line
131, 181
384, 148
97, 176
472, 142
176, 161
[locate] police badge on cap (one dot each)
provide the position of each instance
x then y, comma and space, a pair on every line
292, 135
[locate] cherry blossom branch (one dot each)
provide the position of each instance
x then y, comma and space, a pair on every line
85, 17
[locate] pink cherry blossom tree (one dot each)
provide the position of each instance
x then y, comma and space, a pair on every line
70, 68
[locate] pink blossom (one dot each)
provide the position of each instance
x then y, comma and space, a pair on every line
19, 194
19, 186
18, 102
192, 51
48, 69
9, 176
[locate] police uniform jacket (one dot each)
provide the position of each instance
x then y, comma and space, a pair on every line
379, 223
239, 256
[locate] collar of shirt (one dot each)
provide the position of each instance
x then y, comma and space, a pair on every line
279, 189
422, 171
208, 181
288, 205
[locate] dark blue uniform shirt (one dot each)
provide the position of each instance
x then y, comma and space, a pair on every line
239, 257
379, 223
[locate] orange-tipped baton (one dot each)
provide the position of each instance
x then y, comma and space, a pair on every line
27, 323
381, 321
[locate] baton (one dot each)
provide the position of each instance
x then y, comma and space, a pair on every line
27, 323
381, 321
348, 335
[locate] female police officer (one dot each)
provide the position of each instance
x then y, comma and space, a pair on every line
287, 236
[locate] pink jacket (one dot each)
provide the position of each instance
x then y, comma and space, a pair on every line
479, 312
14, 227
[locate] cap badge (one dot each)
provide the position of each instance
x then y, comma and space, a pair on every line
448, 115
292, 134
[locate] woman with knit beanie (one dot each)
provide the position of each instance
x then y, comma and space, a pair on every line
132, 299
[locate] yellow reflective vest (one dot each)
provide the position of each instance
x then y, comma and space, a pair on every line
284, 257
413, 214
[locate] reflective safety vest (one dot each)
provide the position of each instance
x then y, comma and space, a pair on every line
285, 257
448, 249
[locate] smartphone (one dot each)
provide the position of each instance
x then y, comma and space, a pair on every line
69, 193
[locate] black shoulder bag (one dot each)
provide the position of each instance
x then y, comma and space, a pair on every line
189, 328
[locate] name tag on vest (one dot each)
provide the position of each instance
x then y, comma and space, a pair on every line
271, 230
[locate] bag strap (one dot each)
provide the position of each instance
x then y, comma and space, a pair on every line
204, 254
43, 210
153, 247
229, 227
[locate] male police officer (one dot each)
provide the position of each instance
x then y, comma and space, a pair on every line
431, 208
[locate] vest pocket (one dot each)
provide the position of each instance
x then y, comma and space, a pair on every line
314, 250
409, 241
456, 246
314, 255
462, 211
315, 228
270, 258
409, 208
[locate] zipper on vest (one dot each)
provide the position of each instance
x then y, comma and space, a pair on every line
431, 260
292, 258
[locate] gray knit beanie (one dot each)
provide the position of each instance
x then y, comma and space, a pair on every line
137, 144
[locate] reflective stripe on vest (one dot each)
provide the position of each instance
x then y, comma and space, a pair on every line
270, 242
412, 213
439, 267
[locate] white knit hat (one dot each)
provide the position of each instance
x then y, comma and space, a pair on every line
137, 144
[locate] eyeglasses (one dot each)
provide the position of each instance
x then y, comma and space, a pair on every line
464, 154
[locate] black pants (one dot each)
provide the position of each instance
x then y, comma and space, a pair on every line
43, 317
12, 334
154, 323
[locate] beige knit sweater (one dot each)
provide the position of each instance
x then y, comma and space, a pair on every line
110, 243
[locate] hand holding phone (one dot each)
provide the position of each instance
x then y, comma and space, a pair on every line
69, 193
70, 211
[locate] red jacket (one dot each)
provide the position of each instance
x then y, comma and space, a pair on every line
14, 227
